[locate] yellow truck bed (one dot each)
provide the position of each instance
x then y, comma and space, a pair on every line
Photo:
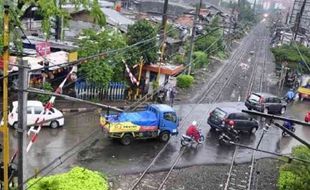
303, 90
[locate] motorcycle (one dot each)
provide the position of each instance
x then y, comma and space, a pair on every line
289, 127
187, 140
228, 135
288, 100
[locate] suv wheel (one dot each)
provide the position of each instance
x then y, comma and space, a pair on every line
253, 130
265, 111
283, 109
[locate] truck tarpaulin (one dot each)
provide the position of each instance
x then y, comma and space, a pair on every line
142, 118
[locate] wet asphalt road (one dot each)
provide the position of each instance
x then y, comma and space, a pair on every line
100, 153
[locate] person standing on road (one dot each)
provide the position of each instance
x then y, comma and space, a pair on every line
172, 93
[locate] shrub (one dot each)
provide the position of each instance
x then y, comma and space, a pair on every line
179, 59
184, 81
78, 179
296, 174
200, 59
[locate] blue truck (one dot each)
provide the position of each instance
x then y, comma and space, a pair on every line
156, 121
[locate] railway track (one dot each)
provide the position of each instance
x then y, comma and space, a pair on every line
216, 86
224, 78
242, 177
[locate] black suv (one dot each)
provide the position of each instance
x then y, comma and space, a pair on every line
228, 116
266, 103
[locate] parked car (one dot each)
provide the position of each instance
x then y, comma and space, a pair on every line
34, 108
266, 103
228, 116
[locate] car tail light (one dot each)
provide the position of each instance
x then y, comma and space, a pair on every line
261, 100
230, 122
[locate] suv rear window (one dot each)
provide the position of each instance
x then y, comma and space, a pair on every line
219, 113
254, 98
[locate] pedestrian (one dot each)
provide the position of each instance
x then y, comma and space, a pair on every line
172, 93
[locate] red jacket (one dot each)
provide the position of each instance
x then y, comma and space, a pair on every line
192, 131
307, 117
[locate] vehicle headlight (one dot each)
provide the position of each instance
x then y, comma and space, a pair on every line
174, 130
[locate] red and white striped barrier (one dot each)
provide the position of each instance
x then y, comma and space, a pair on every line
47, 107
131, 76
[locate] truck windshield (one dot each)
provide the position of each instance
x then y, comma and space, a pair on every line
170, 116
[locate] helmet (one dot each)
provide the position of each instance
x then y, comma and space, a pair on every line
194, 123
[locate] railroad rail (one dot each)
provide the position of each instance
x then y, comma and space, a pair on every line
242, 177
211, 90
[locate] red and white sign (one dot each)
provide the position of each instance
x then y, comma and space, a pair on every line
43, 49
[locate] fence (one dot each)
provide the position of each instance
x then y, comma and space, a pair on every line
87, 91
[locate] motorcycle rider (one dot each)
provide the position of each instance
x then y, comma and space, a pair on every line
288, 124
193, 132
290, 95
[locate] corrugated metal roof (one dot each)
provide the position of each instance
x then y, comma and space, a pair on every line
115, 18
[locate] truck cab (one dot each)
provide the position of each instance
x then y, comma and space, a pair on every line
156, 121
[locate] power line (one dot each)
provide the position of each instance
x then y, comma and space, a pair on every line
95, 56
59, 158
272, 153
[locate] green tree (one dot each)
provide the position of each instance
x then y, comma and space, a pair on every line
49, 9
179, 59
110, 67
42, 97
212, 42
290, 54
295, 174
142, 30
200, 59
208, 43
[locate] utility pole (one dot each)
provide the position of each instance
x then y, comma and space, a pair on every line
298, 19
22, 118
5, 128
163, 36
59, 21
193, 37
254, 6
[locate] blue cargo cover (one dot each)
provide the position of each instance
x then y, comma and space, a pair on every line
142, 118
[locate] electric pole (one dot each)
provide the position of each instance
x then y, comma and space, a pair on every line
298, 19
163, 37
4, 128
254, 6
58, 27
193, 37
22, 118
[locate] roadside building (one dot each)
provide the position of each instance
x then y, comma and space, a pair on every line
165, 71
304, 16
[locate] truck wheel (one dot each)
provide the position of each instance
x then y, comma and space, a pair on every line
164, 136
126, 139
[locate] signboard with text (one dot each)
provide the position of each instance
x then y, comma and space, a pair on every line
43, 48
